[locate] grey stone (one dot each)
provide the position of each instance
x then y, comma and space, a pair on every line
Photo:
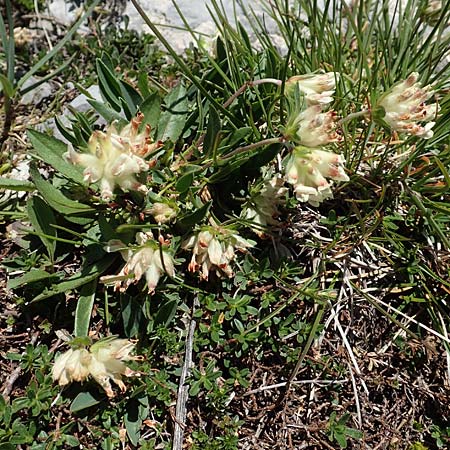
37, 94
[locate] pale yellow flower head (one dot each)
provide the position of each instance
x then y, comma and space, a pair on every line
114, 159
262, 209
107, 364
314, 128
72, 365
103, 361
23, 36
317, 88
150, 258
405, 109
162, 212
308, 169
213, 248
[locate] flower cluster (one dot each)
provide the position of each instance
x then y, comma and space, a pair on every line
162, 212
114, 159
214, 248
308, 169
262, 210
23, 36
104, 362
316, 128
432, 11
307, 124
309, 166
317, 88
404, 107
149, 257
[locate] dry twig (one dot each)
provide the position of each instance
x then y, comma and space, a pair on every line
183, 388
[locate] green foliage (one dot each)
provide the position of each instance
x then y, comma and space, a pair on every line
202, 150
338, 430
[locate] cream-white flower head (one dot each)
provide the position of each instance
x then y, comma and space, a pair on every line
150, 257
107, 364
72, 365
103, 361
315, 128
308, 169
262, 210
114, 159
405, 108
213, 248
162, 212
318, 88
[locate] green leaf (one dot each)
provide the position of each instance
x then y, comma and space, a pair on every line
132, 98
166, 312
30, 277
107, 113
87, 275
84, 308
41, 217
239, 325
151, 108
16, 185
189, 220
51, 151
142, 83
66, 132
341, 439
212, 137
82, 401
8, 88
55, 198
133, 427
262, 157
244, 38
8, 447
131, 315
136, 411
184, 182
235, 139
109, 85
354, 433
173, 119
71, 441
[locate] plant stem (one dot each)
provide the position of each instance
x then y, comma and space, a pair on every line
277, 140
236, 94
266, 81
9, 115
249, 84
355, 115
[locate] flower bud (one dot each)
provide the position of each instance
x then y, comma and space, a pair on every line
162, 212
262, 210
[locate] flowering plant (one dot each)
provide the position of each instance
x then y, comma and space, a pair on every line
114, 159
404, 107
103, 361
